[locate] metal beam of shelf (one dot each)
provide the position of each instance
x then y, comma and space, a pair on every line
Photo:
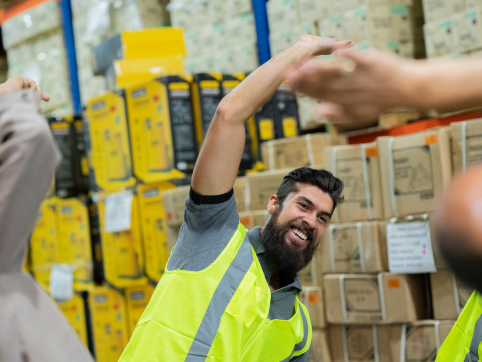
16, 7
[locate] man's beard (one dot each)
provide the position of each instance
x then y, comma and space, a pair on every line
286, 259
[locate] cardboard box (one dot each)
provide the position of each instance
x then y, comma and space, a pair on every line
240, 189
238, 7
136, 301
414, 170
251, 219
240, 29
439, 39
311, 10
466, 144
308, 27
262, 185
374, 299
362, 343
435, 10
420, 341
354, 248
309, 276
154, 224
172, 234
448, 295
282, 14
357, 166
216, 10
295, 152
378, 22
281, 40
122, 254
109, 152
108, 319
210, 38
467, 30
306, 110
139, 44
405, 48
173, 202
222, 61
245, 57
332, 27
162, 128
319, 348
312, 298
74, 311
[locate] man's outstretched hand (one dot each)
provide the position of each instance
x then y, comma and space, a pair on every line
358, 86
17, 83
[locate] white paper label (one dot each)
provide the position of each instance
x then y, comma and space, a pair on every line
410, 248
61, 284
118, 212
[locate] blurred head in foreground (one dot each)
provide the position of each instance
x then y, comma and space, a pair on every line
458, 224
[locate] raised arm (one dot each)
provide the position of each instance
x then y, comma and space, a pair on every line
218, 162
28, 158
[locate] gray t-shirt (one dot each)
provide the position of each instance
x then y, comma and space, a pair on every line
206, 231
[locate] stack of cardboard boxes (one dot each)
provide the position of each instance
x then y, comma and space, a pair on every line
35, 48
374, 309
452, 28
390, 25
220, 35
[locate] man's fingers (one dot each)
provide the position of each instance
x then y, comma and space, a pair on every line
313, 77
333, 112
342, 44
45, 97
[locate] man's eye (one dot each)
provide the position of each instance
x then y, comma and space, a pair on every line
304, 206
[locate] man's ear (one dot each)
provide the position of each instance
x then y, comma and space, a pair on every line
273, 204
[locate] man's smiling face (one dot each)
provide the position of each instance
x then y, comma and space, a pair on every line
295, 228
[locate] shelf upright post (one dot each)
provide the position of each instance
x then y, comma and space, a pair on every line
262, 30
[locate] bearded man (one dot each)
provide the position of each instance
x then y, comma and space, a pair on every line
229, 294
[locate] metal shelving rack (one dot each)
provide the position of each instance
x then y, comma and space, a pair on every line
262, 30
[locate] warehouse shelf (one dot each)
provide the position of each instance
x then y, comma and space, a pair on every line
13, 8
262, 30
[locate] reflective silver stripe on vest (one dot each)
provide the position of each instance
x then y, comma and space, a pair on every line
473, 354
301, 344
222, 296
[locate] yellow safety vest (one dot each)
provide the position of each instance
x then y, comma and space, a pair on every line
218, 314
464, 342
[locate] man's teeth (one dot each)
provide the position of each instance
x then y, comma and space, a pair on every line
300, 234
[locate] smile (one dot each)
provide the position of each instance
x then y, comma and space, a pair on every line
299, 234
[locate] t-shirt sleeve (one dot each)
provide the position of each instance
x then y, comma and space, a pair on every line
209, 224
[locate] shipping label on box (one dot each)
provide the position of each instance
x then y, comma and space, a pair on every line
357, 166
295, 152
439, 38
262, 186
414, 170
108, 319
354, 248
311, 10
240, 29
123, 258
173, 202
74, 311
137, 299
374, 299
154, 228
467, 30
312, 298
333, 27
362, 343
282, 14
110, 155
466, 144
449, 295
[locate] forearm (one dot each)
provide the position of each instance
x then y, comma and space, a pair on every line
259, 86
28, 158
446, 86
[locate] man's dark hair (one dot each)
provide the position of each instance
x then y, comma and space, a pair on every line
323, 179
